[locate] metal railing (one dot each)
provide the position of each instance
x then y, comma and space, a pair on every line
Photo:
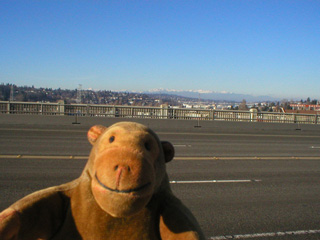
94, 110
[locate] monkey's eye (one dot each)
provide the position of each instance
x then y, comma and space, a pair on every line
111, 139
147, 145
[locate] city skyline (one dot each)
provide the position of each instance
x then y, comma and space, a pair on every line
244, 47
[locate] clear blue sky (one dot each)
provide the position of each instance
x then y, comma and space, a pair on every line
241, 46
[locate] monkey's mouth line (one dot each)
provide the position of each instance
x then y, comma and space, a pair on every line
122, 191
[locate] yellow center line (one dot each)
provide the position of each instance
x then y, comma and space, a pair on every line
43, 130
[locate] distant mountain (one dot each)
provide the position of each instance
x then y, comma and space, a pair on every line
211, 95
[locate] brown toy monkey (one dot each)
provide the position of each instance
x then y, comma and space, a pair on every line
122, 193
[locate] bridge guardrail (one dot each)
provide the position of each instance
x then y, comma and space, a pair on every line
164, 112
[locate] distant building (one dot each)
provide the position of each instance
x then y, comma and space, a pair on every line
304, 108
311, 107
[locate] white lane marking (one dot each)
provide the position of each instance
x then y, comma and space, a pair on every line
314, 147
182, 145
270, 234
219, 181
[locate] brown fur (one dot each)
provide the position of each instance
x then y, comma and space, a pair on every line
123, 193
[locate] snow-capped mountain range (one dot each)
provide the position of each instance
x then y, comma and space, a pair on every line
211, 95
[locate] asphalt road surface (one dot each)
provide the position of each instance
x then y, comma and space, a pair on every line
241, 180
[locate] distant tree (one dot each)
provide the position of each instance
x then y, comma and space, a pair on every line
25, 97
285, 104
5, 92
314, 102
308, 100
243, 105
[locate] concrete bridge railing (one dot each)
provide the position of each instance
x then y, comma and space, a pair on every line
163, 112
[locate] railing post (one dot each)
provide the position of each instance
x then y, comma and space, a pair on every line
211, 116
88, 110
61, 107
253, 114
8, 108
114, 111
164, 111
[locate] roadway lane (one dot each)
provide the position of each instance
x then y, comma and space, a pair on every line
284, 195
204, 142
235, 144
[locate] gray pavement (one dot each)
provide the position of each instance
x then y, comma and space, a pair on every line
276, 193
57, 135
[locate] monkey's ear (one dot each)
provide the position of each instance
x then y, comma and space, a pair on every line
10, 224
94, 133
168, 151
